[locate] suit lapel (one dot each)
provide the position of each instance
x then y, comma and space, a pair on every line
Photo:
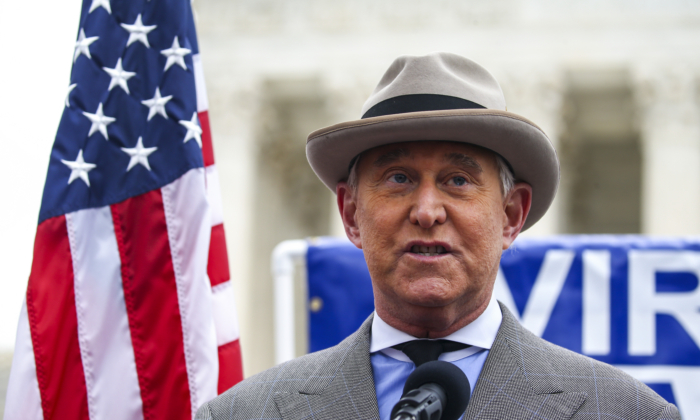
341, 385
518, 380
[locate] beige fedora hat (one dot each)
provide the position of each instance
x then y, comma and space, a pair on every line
440, 97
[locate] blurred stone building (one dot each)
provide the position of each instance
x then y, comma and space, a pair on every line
615, 84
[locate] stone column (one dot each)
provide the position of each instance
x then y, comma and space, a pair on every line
669, 119
537, 94
288, 200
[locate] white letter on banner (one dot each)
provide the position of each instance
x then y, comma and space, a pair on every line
596, 302
645, 302
546, 290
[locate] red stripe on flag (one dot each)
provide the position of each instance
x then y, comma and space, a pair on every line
207, 146
151, 299
217, 266
54, 324
230, 365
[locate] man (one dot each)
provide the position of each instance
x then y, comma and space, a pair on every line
433, 183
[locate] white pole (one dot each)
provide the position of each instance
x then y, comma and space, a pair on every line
284, 257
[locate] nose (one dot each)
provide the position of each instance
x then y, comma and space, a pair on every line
428, 208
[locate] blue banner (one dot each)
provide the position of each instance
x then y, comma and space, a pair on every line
627, 300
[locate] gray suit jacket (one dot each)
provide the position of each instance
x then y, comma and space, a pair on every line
524, 377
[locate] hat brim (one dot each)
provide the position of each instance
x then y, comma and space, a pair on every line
524, 145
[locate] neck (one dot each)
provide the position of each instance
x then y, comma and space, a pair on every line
427, 322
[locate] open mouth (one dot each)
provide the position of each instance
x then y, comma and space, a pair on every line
428, 251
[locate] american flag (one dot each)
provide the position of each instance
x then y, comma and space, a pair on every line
129, 311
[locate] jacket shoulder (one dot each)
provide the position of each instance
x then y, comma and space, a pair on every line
609, 390
551, 369
254, 397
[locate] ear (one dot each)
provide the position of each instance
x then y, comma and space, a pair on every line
347, 204
516, 207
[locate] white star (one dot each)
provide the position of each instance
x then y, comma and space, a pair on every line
139, 154
97, 3
79, 168
138, 32
82, 45
156, 105
70, 89
119, 76
175, 55
194, 131
99, 122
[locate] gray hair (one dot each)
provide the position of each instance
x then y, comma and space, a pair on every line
504, 173
352, 177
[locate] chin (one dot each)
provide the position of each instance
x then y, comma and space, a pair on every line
430, 292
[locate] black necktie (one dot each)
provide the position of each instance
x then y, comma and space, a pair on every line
423, 351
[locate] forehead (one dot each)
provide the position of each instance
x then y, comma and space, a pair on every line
418, 152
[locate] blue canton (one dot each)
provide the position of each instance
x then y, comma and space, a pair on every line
130, 124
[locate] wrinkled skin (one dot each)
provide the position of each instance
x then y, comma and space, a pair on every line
431, 194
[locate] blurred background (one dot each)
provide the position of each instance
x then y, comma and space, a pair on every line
615, 84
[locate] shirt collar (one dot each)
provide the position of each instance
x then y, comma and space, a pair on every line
480, 333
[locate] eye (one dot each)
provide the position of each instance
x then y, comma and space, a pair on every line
459, 181
399, 178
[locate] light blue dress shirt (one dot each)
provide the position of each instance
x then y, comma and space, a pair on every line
390, 376
391, 367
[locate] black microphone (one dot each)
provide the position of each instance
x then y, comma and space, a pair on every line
434, 391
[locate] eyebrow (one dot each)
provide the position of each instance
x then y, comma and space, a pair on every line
460, 159
390, 157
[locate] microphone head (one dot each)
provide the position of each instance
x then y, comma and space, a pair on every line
450, 378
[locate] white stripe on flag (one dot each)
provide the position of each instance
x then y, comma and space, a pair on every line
201, 89
189, 230
214, 194
225, 315
23, 400
103, 324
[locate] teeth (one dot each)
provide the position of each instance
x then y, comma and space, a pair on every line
428, 251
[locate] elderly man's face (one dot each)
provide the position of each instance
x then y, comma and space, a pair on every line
432, 221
